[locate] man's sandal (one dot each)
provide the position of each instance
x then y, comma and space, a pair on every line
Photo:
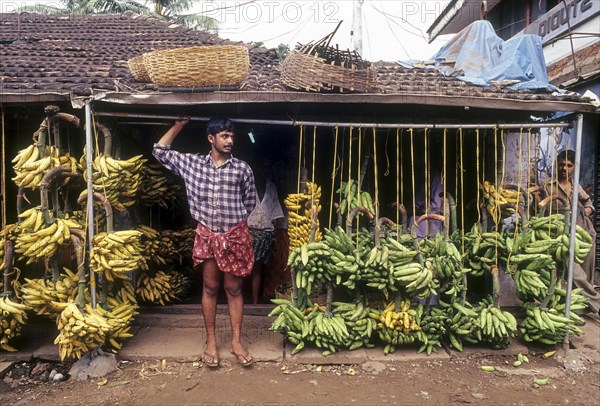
210, 360
244, 360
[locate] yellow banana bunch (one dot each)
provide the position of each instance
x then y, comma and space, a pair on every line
494, 198
119, 317
11, 235
118, 180
403, 320
79, 333
30, 165
117, 254
157, 247
156, 288
183, 241
157, 187
44, 242
12, 317
300, 223
46, 297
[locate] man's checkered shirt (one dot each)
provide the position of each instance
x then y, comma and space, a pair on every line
219, 198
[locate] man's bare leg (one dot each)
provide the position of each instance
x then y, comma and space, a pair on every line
235, 303
211, 283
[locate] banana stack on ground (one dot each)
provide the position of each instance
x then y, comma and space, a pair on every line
13, 316
549, 235
157, 288
351, 198
496, 326
434, 326
292, 322
45, 297
300, 222
79, 333
500, 199
118, 180
462, 323
327, 331
119, 317
117, 254
397, 327
483, 250
358, 322
11, 231
579, 303
446, 260
30, 165
41, 244
546, 326
158, 187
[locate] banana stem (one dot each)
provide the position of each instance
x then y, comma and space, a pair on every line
551, 288
54, 267
294, 287
77, 242
8, 268
402, 218
329, 286
351, 216
463, 294
495, 285
452, 211
20, 199
397, 303
107, 207
107, 151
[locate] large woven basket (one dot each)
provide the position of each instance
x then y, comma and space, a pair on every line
138, 69
319, 67
215, 65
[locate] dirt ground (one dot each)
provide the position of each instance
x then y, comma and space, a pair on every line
456, 381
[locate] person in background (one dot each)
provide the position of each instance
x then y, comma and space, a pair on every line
262, 224
221, 194
563, 186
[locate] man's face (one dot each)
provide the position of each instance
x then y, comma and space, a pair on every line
565, 168
222, 142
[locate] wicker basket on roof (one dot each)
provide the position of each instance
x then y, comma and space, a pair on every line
214, 65
138, 69
319, 67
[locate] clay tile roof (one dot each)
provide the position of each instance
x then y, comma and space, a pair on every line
74, 54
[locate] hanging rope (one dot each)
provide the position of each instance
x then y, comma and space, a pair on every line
349, 169
399, 186
462, 194
358, 187
300, 158
412, 165
528, 165
477, 164
3, 190
376, 199
333, 170
387, 156
427, 174
445, 171
519, 176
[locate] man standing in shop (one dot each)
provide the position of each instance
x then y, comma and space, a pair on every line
563, 186
221, 194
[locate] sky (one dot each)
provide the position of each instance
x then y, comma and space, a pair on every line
391, 29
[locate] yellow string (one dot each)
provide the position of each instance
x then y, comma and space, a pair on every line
412, 165
519, 176
528, 166
358, 187
349, 169
445, 172
300, 158
376, 175
401, 165
495, 165
314, 153
477, 163
427, 183
462, 195
3, 190
399, 188
387, 156
333, 175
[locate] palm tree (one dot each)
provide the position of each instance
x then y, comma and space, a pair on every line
169, 10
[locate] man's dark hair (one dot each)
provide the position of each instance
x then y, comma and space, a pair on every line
567, 154
217, 125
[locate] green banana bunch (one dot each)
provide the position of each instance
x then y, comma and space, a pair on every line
531, 274
352, 197
359, 325
496, 326
433, 329
579, 303
483, 249
546, 326
462, 323
292, 322
311, 262
446, 261
550, 235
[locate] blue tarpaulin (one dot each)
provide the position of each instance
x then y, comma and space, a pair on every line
482, 57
